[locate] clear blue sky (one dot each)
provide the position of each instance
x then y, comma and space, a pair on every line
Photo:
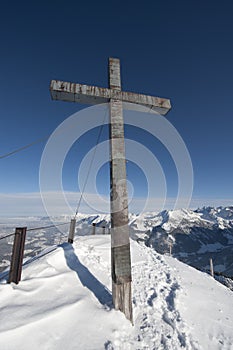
177, 49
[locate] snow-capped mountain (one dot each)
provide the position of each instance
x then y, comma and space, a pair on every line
194, 236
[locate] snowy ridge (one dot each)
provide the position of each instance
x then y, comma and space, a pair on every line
64, 301
186, 218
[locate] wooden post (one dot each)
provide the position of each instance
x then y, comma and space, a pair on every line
72, 230
17, 255
93, 228
103, 230
211, 267
120, 252
170, 248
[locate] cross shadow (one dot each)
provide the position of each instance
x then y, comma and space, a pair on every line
87, 279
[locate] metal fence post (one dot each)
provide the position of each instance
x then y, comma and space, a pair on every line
71, 232
17, 255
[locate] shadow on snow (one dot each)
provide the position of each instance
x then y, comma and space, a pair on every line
87, 279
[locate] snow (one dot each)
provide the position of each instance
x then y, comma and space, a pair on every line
64, 302
186, 218
206, 307
175, 217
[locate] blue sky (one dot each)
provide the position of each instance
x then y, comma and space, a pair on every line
180, 50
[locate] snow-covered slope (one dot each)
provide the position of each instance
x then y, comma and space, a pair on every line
64, 302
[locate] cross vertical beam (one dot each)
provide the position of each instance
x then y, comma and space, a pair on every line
120, 249
87, 94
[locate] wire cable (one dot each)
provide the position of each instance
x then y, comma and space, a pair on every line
11, 234
27, 146
49, 226
91, 163
24, 147
36, 228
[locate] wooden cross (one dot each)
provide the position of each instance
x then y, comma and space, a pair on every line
120, 244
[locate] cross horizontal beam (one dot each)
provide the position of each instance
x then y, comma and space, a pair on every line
87, 94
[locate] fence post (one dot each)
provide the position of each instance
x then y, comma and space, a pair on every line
93, 228
71, 232
211, 268
17, 255
103, 230
170, 248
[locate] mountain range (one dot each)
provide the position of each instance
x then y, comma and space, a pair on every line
192, 236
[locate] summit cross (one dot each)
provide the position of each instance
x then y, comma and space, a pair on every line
120, 243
